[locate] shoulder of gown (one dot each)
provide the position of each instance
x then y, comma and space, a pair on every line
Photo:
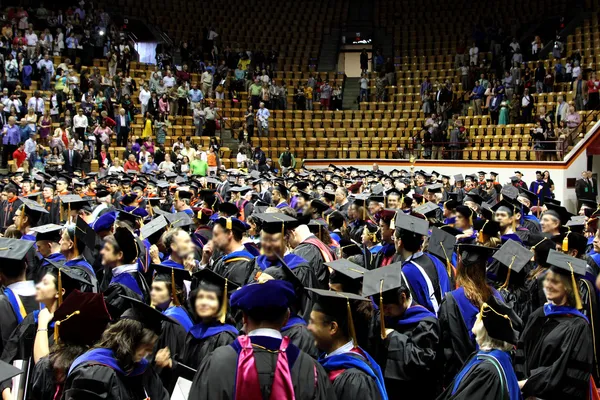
355, 384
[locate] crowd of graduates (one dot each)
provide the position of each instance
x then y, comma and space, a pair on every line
316, 284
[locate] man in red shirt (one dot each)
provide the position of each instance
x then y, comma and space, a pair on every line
19, 155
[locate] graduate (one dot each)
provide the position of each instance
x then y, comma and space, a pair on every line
353, 373
505, 213
82, 319
555, 351
47, 241
489, 374
234, 264
459, 309
427, 276
119, 255
117, 364
72, 245
27, 216
17, 299
276, 230
168, 294
279, 196
407, 335
465, 218
263, 364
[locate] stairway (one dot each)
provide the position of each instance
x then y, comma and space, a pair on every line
330, 46
351, 91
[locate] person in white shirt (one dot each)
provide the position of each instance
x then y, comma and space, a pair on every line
263, 115
32, 40
207, 82
80, 123
473, 54
562, 108
188, 151
46, 64
167, 165
144, 97
169, 80
37, 103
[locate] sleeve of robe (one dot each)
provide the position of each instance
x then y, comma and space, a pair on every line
92, 382
311, 254
456, 342
8, 322
571, 369
353, 384
481, 382
215, 379
43, 384
412, 357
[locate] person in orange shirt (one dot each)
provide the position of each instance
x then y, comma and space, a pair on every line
211, 160
131, 164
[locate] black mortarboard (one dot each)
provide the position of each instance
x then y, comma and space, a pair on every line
51, 232
459, 178
509, 191
571, 240
427, 208
228, 208
233, 224
577, 223
382, 279
281, 189
487, 227
149, 317
179, 220
346, 273
349, 248
81, 319
329, 195
74, 201
66, 278
174, 276
126, 240
496, 320
14, 249
466, 212
319, 205
336, 305
473, 254
474, 197
513, 255
565, 264
435, 188
412, 224
276, 222
589, 203
151, 228
506, 206
451, 230
559, 212
128, 216
33, 206
530, 195
7, 371
441, 244
85, 233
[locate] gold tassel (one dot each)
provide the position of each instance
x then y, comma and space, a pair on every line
364, 213
575, 288
351, 329
448, 263
471, 218
228, 224
381, 316
401, 201
57, 324
565, 243
538, 208
75, 248
199, 214
174, 288
60, 293
223, 312
505, 284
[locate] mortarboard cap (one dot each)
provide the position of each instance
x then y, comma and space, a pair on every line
270, 294
349, 248
149, 317
276, 222
346, 273
565, 264
381, 280
441, 244
509, 191
14, 249
559, 212
7, 371
319, 205
513, 255
155, 226
577, 223
474, 254
50, 232
496, 320
281, 189
459, 178
173, 275
474, 197
179, 220
66, 278
33, 206
81, 319
329, 195
228, 208
233, 224
412, 224
427, 208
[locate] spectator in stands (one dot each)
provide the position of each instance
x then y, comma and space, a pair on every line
380, 83
426, 86
265, 95
593, 85
19, 155
123, 127
527, 104
195, 95
581, 92
164, 106
474, 54
144, 97
199, 166
326, 92
562, 108
364, 87
207, 83
198, 117
427, 103
262, 116
515, 109
131, 164
149, 167
210, 116
536, 46
454, 142
167, 165
540, 76
364, 61
573, 121
477, 96
287, 160
55, 161
254, 92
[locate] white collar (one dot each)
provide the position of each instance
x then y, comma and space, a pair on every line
272, 333
341, 350
23, 288
124, 268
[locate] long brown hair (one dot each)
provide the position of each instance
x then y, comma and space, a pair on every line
473, 279
123, 338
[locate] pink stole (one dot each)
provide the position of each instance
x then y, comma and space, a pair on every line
325, 252
247, 385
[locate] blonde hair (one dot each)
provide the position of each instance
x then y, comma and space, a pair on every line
486, 342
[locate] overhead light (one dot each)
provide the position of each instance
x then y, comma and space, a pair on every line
101, 32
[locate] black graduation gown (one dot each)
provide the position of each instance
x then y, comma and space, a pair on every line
354, 384
172, 336
52, 217
409, 358
8, 321
356, 229
97, 381
43, 381
7, 212
196, 350
215, 379
532, 226
237, 270
555, 355
482, 382
312, 254
589, 301
301, 337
